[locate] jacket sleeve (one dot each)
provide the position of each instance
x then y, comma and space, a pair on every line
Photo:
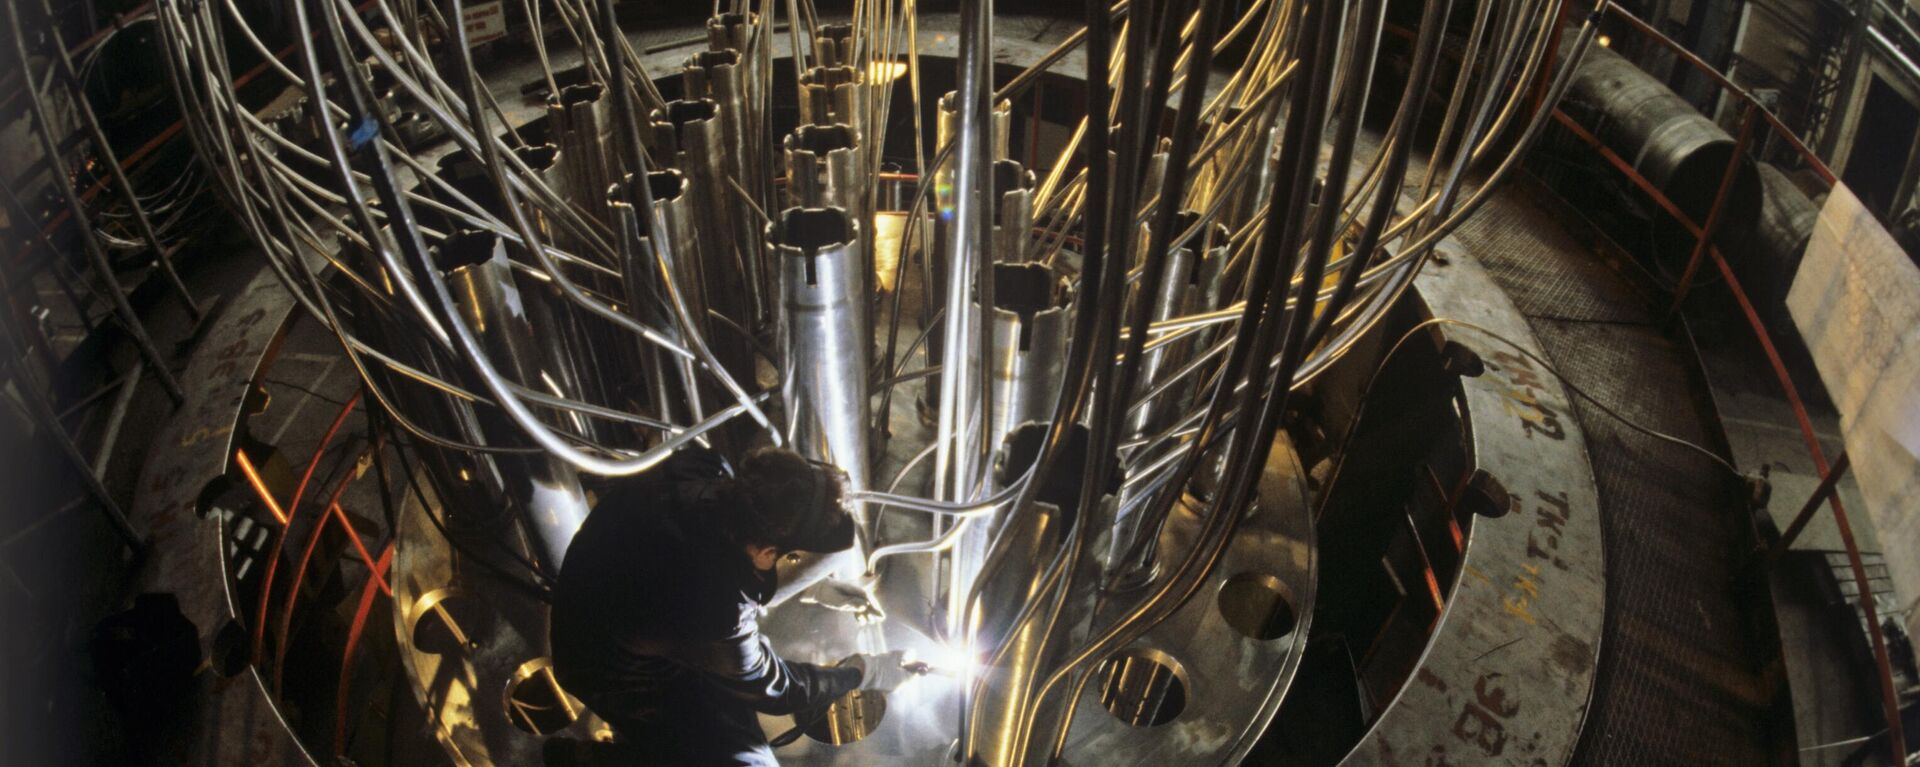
746, 666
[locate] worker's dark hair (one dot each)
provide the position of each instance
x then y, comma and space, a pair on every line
774, 494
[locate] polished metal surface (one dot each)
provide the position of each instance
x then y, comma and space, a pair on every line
1191, 285
544, 490
834, 95
1012, 202
694, 134
823, 339
582, 127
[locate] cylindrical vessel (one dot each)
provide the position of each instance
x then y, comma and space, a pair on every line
946, 128
589, 161
735, 32
831, 95
1030, 326
468, 175
1012, 212
1151, 177
834, 45
1033, 534
1190, 285
1770, 252
691, 133
1256, 161
544, 488
827, 169
825, 344
468, 481
718, 76
572, 331
651, 296
1679, 151
730, 30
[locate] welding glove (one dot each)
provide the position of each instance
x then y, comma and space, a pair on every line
841, 596
883, 672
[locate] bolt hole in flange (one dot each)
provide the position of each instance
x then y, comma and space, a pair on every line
445, 621
1257, 605
1143, 687
535, 702
854, 716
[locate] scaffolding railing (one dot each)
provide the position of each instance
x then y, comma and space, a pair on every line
1753, 117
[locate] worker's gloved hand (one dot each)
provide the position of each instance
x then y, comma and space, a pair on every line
841, 596
884, 672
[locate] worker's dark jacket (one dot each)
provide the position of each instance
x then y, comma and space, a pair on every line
655, 626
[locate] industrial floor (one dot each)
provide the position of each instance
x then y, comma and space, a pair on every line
1688, 670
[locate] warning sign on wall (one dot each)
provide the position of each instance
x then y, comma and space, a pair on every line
485, 22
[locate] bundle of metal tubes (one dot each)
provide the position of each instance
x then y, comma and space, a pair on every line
663, 272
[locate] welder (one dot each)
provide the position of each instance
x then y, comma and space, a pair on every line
655, 620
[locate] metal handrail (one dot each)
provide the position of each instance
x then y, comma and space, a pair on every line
1703, 235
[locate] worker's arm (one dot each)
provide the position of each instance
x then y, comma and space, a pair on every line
745, 665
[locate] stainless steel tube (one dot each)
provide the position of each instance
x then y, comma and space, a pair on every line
582, 125
677, 398
1033, 536
544, 489
719, 76
826, 168
831, 95
1191, 284
825, 345
692, 134
1029, 325
1012, 213
833, 43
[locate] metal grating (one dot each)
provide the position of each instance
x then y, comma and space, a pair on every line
1680, 664
1547, 262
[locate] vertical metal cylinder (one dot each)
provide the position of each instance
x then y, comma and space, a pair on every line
945, 206
1035, 534
468, 482
1001, 122
545, 489
754, 52
582, 125
947, 129
1191, 285
691, 133
831, 95
577, 369
720, 77
1151, 178
730, 30
468, 175
1012, 212
677, 397
833, 43
826, 169
1029, 324
825, 344
1256, 191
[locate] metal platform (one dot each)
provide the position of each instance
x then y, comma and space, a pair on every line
1683, 675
